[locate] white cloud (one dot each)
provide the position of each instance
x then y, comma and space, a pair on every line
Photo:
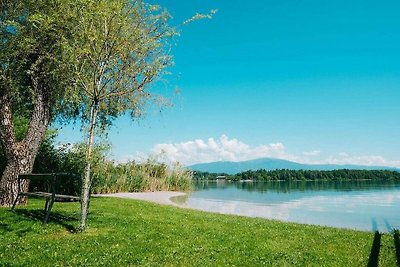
222, 149
312, 153
226, 149
369, 160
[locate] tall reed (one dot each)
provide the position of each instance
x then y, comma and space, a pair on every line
110, 177
140, 177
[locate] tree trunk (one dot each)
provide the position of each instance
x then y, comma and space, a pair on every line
86, 182
21, 162
21, 155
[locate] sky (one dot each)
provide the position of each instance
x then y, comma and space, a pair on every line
305, 80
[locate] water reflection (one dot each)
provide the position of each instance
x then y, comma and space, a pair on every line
364, 205
293, 186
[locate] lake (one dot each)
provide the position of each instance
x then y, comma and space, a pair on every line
363, 205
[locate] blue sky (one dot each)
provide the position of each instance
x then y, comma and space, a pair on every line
310, 81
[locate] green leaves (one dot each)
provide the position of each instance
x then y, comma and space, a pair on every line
33, 35
119, 49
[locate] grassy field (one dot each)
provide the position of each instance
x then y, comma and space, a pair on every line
129, 232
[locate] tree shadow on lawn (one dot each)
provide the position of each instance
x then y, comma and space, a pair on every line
375, 249
55, 217
4, 228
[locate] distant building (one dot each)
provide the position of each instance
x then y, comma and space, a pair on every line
221, 177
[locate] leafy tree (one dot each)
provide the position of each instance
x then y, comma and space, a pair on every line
86, 59
32, 81
119, 49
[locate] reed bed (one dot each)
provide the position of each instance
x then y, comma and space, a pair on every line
111, 177
140, 177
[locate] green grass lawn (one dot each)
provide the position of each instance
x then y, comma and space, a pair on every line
128, 232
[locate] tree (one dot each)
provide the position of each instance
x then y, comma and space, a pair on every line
84, 59
32, 81
119, 49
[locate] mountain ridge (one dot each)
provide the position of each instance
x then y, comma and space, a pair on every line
231, 167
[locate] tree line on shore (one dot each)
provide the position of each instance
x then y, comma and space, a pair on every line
300, 175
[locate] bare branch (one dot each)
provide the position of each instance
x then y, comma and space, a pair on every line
127, 92
199, 16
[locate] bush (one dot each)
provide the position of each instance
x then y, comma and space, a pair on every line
107, 176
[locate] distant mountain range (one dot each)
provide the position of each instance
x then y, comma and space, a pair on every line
230, 167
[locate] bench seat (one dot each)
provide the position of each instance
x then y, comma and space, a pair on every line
57, 197
51, 196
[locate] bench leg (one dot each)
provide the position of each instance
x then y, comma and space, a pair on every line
47, 209
15, 202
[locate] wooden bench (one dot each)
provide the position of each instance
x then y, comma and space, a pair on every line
52, 180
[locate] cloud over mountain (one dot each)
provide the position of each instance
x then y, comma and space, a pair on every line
227, 149
222, 149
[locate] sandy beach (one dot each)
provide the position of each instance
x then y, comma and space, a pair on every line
159, 197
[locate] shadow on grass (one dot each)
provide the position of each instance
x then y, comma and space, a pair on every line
389, 227
374, 255
4, 228
397, 245
55, 217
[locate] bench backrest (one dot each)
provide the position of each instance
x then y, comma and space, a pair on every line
51, 182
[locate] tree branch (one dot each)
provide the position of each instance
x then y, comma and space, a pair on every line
40, 117
139, 88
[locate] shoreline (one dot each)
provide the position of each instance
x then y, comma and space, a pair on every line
159, 197
164, 198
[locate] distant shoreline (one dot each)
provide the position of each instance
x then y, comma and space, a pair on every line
298, 180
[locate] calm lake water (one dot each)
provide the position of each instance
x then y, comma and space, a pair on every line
362, 205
